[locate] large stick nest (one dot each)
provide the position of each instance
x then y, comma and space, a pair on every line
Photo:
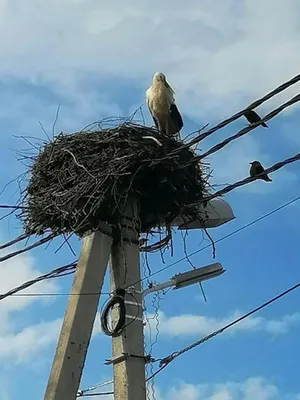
80, 180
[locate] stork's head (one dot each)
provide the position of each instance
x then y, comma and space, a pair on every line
159, 76
255, 163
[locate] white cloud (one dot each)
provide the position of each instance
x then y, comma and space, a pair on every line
14, 272
21, 344
252, 388
24, 346
216, 67
210, 61
195, 325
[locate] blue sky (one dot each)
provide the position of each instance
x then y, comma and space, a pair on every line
96, 60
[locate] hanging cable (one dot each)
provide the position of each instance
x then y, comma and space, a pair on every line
96, 394
117, 298
164, 362
82, 392
13, 291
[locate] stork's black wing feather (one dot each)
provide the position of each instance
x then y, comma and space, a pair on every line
176, 116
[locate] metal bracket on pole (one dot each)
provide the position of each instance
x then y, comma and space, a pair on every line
124, 356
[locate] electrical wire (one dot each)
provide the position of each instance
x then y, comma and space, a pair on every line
250, 179
262, 217
55, 273
166, 360
80, 392
244, 131
255, 104
171, 357
30, 247
96, 394
156, 300
224, 237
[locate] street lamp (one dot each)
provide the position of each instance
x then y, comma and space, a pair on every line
188, 278
215, 213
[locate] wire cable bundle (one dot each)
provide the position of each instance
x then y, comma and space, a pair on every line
117, 298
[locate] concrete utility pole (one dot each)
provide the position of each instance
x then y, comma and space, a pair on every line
79, 318
128, 348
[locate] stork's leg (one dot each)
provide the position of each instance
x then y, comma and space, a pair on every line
162, 125
155, 122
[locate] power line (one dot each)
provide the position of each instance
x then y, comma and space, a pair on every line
219, 193
96, 394
246, 130
89, 389
55, 273
160, 270
225, 237
171, 357
13, 207
250, 179
55, 294
234, 117
30, 247
255, 104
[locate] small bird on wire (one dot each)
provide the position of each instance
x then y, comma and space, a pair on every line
256, 169
253, 117
161, 104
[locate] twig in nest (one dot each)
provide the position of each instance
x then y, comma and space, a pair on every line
139, 109
158, 245
12, 181
7, 215
44, 130
212, 243
56, 119
66, 241
197, 131
77, 163
27, 141
153, 138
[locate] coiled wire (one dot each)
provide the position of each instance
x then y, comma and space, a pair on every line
118, 298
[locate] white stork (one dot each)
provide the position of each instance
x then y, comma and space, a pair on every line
161, 103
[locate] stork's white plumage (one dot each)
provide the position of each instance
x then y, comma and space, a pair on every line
161, 103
